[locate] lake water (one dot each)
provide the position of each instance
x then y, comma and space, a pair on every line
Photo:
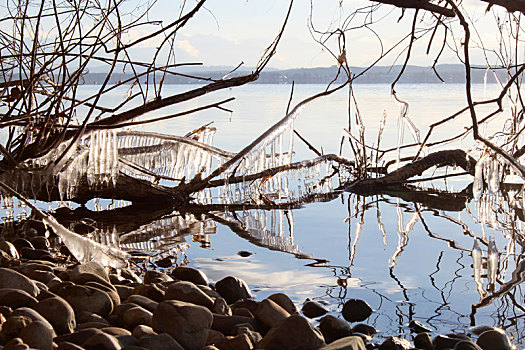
406, 259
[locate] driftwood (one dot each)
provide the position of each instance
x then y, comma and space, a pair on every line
455, 157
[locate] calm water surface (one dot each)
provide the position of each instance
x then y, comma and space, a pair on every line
406, 265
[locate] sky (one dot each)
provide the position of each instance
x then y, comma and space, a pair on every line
228, 32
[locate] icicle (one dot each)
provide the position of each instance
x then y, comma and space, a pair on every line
477, 187
493, 176
477, 256
492, 262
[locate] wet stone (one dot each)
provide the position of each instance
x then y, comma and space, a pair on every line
346, 343
334, 328
162, 341
395, 343
255, 337
270, 313
188, 292
226, 324
233, 289
418, 327
68, 346
165, 262
294, 332
38, 335
239, 342
221, 307
84, 298
136, 316
115, 331
15, 344
313, 309
356, 310
16, 298
187, 323
92, 267
42, 276
78, 337
365, 329
59, 313
466, 345
126, 341
32, 314
20, 243
477, 330
150, 291
101, 341
190, 274
40, 242
9, 249
154, 276
143, 301
285, 302
423, 341
142, 330
15, 280
12, 327
494, 339
447, 341
36, 254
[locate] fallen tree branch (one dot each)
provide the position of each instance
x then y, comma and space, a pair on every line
454, 157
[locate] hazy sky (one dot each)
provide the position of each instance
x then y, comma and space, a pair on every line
230, 31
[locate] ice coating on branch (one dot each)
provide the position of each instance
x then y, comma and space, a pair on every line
493, 176
84, 249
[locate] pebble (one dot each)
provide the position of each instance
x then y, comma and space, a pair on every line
293, 333
85, 298
356, 310
347, 343
141, 330
494, 339
226, 324
15, 280
269, 313
233, 289
395, 343
136, 316
9, 249
423, 341
285, 302
188, 324
418, 327
38, 335
313, 309
188, 292
15, 298
334, 328
59, 314
162, 341
190, 274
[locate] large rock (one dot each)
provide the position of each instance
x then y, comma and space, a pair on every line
347, 343
270, 313
494, 339
15, 298
190, 274
59, 313
233, 289
93, 267
356, 310
294, 332
188, 292
85, 298
15, 280
38, 335
187, 323
334, 328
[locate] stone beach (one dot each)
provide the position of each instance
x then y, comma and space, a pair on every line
50, 301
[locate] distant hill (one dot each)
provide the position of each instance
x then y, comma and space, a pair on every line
450, 73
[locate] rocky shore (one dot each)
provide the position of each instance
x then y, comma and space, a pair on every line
49, 301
